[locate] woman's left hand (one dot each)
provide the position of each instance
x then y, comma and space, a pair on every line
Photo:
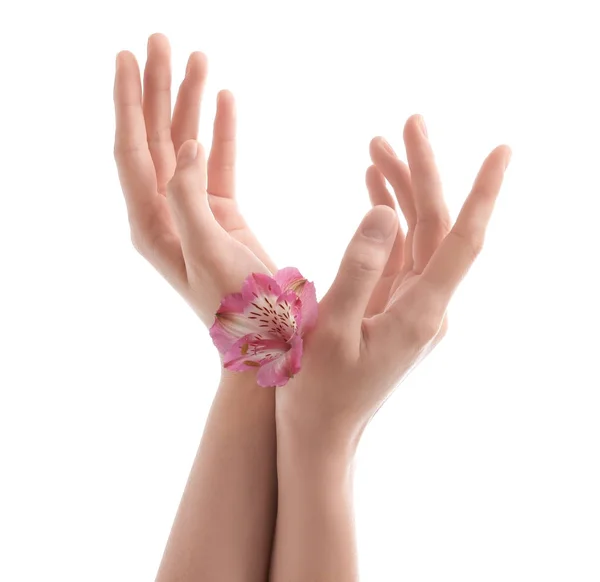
183, 214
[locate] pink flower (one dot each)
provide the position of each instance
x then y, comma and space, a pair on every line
262, 327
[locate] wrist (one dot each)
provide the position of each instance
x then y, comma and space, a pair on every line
244, 398
303, 444
238, 380
313, 426
312, 464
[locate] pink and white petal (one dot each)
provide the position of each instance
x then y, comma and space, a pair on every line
278, 371
289, 279
288, 313
259, 285
229, 327
241, 365
252, 351
309, 309
295, 353
288, 296
233, 303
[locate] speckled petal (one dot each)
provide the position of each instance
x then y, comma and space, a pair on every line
252, 351
231, 323
278, 371
259, 285
289, 279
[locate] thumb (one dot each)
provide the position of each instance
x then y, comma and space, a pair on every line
188, 199
362, 266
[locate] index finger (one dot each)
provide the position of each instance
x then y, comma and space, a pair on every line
134, 162
457, 252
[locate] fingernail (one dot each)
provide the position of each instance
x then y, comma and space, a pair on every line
380, 223
387, 147
423, 126
507, 159
117, 61
187, 152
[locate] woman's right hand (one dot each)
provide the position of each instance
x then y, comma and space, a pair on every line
386, 309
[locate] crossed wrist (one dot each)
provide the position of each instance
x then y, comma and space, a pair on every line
315, 438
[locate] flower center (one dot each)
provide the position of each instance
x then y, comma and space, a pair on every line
275, 318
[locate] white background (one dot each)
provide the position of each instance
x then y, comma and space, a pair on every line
484, 465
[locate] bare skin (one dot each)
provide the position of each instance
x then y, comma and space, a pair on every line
384, 312
185, 221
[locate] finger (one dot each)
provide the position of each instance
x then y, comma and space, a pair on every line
151, 229
221, 160
417, 315
188, 201
157, 108
361, 267
433, 218
134, 162
186, 115
379, 195
383, 289
378, 192
457, 252
397, 173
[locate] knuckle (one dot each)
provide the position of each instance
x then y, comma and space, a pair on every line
328, 327
162, 135
174, 185
472, 244
438, 221
421, 330
330, 334
121, 151
427, 329
138, 241
361, 264
145, 231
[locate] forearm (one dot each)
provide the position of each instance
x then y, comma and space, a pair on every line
315, 537
223, 529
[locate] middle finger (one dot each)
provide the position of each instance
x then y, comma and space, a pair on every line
379, 194
186, 115
157, 108
433, 219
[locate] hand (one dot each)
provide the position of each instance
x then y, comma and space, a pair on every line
183, 216
386, 309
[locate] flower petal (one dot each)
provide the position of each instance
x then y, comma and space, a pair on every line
252, 351
278, 371
267, 313
231, 323
233, 303
289, 279
259, 285
309, 309
285, 316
